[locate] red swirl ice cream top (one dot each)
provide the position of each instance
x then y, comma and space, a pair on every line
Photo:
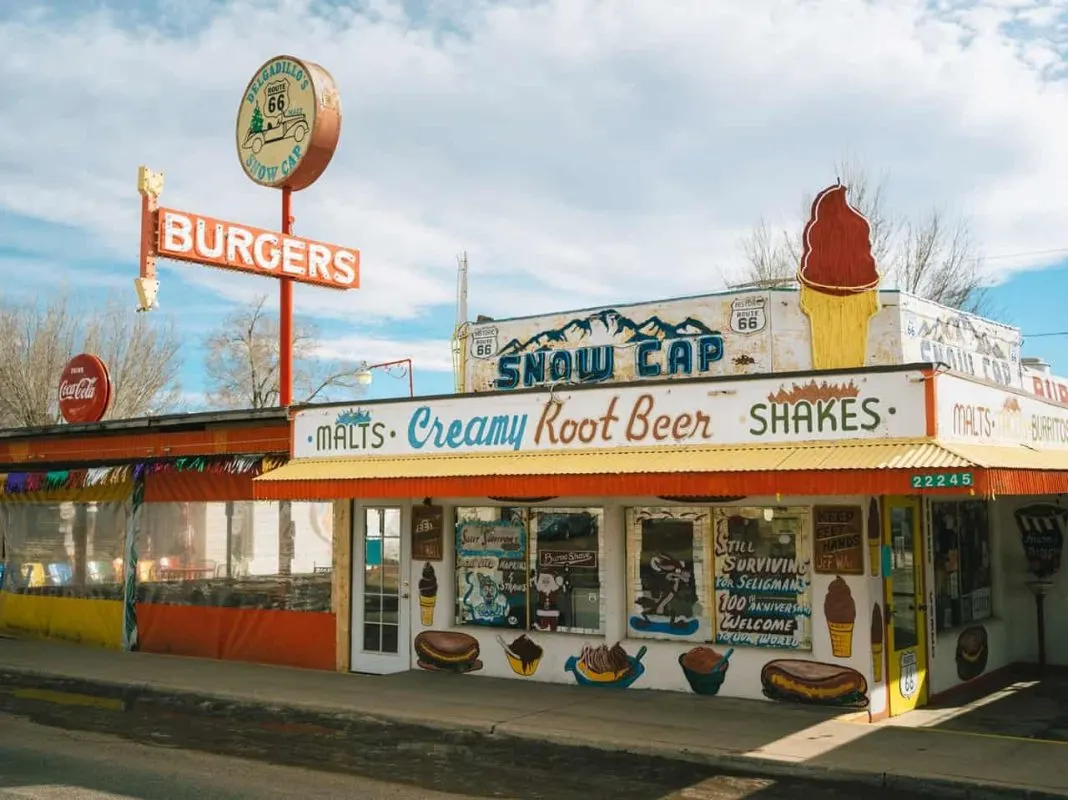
836, 256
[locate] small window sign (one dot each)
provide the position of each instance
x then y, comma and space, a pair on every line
943, 480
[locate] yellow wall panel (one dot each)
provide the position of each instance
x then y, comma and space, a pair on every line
96, 622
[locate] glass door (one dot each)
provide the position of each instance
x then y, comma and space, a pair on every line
380, 591
906, 612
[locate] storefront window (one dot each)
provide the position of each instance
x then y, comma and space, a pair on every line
533, 569
961, 532
763, 577
239, 554
65, 549
668, 573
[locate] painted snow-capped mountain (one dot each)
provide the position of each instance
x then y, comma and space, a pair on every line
606, 327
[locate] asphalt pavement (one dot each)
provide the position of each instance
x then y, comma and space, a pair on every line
47, 763
48, 752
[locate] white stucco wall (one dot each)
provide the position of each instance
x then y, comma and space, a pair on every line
662, 670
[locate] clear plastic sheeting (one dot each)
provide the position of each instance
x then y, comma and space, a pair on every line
239, 554
64, 549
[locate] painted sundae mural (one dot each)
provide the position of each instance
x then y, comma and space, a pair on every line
606, 666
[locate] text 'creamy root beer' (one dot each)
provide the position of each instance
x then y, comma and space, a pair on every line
186, 236
85, 389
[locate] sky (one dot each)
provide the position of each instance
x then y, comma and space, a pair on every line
582, 152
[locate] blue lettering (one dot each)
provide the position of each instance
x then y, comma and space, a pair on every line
533, 368
596, 364
560, 366
709, 350
420, 420
455, 437
479, 424
502, 430
641, 358
507, 372
680, 357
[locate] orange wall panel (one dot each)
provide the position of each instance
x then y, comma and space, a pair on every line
284, 638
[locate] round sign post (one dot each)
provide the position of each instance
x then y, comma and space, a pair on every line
85, 389
288, 126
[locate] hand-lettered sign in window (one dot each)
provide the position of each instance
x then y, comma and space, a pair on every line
763, 577
838, 537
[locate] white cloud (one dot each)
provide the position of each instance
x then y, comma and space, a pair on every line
430, 355
582, 151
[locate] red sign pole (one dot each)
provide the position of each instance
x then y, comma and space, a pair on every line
285, 314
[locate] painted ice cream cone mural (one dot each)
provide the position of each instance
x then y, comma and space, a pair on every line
428, 594
877, 643
875, 537
839, 281
841, 613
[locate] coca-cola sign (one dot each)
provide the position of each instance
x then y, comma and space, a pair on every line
84, 389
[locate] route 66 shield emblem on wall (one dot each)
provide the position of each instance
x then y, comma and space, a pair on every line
749, 315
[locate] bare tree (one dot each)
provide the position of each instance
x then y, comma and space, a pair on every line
242, 362
40, 338
926, 255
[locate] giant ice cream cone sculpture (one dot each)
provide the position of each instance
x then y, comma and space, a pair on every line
838, 281
877, 643
841, 613
428, 594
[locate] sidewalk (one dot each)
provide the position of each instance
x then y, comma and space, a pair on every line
735, 735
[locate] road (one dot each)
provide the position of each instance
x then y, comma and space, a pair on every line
47, 763
75, 755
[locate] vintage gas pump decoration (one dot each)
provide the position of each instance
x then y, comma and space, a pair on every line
288, 125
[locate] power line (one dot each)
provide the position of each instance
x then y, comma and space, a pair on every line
1024, 254
1040, 335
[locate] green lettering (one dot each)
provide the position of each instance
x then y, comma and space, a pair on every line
849, 416
780, 415
803, 414
870, 407
756, 413
825, 414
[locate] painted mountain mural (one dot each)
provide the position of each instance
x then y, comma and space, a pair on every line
607, 327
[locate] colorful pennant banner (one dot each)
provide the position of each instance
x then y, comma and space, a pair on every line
16, 483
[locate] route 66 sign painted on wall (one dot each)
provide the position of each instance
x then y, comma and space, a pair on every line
288, 123
749, 315
909, 683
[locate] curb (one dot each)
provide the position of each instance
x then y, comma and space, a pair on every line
28, 685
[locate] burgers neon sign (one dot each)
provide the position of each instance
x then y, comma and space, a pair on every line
288, 125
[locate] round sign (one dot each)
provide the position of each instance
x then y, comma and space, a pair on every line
288, 123
84, 389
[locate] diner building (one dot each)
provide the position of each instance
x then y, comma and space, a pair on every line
671, 496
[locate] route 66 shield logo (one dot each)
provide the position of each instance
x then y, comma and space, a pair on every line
484, 343
910, 678
749, 315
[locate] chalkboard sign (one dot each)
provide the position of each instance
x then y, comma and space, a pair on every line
1042, 527
428, 533
839, 540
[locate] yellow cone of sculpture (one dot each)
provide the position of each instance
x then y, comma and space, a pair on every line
839, 281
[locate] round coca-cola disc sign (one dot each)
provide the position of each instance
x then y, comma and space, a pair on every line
84, 389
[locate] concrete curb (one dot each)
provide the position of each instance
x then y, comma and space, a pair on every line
50, 687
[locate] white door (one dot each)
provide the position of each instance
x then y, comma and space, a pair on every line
381, 609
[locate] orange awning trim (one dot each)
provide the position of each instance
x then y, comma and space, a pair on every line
818, 468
